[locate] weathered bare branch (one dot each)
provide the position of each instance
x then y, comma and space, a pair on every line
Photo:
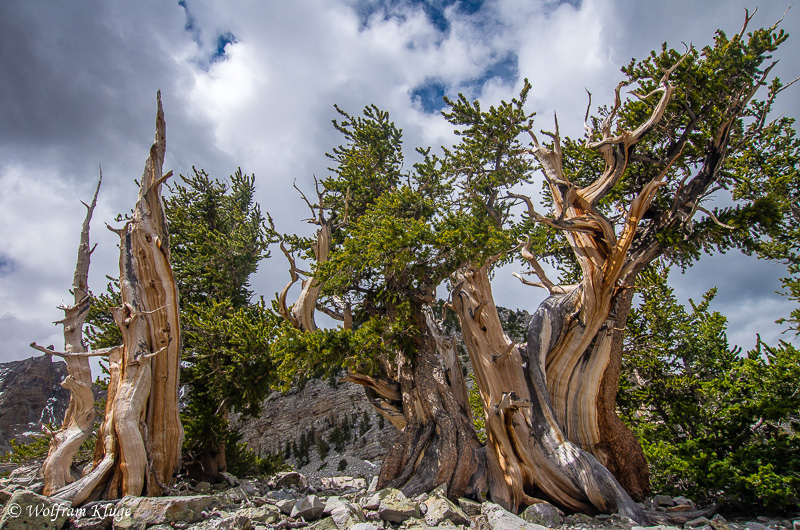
526, 253
384, 387
714, 218
64, 355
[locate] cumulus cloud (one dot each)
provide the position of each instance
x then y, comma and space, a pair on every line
253, 85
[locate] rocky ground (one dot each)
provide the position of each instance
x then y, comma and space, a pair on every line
291, 500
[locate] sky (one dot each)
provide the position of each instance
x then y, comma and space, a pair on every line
252, 85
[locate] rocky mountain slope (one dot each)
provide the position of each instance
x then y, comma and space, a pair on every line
30, 396
318, 426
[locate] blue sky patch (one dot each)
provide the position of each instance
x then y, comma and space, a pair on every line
222, 41
6, 265
191, 27
429, 95
191, 24
434, 9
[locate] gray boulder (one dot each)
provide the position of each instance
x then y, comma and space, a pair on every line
136, 512
366, 526
395, 507
309, 508
26, 510
292, 479
346, 515
267, 514
469, 507
543, 513
231, 522
440, 509
324, 524
499, 519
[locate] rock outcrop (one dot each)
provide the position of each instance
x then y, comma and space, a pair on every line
318, 427
30, 396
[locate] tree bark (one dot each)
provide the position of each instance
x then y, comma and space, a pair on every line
529, 449
140, 438
80, 414
438, 444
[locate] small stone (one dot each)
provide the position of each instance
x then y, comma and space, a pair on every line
469, 507
233, 522
91, 523
324, 524
263, 514
347, 514
341, 483
232, 496
684, 501
762, 519
659, 527
285, 505
373, 502
719, 524
292, 479
680, 508
752, 525
499, 519
696, 523
545, 514
796, 525
395, 507
282, 495
202, 487
439, 491
250, 487
663, 500
366, 526
309, 508
331, 503
602, 517
373, 484
439, 509
230, 479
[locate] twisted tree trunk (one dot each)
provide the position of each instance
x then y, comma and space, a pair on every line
139, 441
80, 414
529, 450
437, 444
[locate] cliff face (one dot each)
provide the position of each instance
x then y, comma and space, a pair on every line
30, 395
305, 421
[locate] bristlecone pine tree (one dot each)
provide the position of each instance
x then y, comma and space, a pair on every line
79, 417
138, 443
638, 188
626, 196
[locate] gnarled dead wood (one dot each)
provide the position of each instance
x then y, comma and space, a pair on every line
144, 372
528, 448
80, 414
438, 444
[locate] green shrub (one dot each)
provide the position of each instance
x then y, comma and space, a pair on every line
29, 452
365, 424
715, 425
243, 462
323, 448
